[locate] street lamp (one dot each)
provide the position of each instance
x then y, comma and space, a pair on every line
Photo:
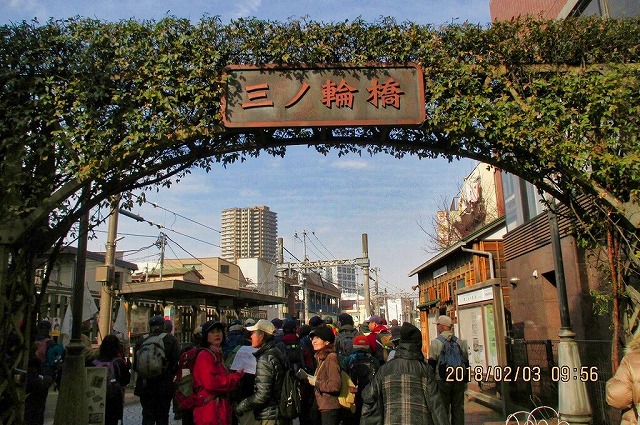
573, 400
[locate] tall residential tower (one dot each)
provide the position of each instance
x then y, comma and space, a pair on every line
249, 233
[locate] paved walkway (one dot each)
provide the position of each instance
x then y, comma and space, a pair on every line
475, 413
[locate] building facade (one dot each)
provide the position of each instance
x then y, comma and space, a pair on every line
344, 277
248, 233
59, 292
503, 10
530, 257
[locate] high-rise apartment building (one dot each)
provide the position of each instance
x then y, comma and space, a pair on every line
344, 277
248, 233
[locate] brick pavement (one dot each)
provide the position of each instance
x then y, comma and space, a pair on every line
475, 413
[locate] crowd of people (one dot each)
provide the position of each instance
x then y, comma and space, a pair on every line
393, 381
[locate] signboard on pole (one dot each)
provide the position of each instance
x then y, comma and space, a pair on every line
96, 394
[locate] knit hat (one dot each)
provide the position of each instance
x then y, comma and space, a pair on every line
360, 343
277, 322
289, 325
324, 333
157, 321
345, 319
235, 326
410, 334
316, 321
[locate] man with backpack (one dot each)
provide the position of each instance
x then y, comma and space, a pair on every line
361, 367
379, 338
156, 363
344, 339
446, 353
291, 398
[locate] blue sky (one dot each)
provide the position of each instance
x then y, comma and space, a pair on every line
334, 199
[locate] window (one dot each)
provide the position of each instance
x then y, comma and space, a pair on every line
224, 268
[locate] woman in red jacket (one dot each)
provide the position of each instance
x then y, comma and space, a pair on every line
212, 380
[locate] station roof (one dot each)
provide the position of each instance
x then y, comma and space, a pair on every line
181, 292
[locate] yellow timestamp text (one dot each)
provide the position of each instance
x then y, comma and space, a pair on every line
493, 374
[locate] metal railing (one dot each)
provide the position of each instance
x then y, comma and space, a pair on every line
544, 392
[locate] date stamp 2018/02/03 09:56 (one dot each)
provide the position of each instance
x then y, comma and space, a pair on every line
521, 373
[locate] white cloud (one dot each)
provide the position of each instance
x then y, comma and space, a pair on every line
246, 8
249, 193
350, 164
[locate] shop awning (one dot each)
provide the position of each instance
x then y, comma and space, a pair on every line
428, 304
181, 292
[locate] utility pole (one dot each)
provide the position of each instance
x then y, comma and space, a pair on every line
377, 301
279, 276
106, 302
386, 306
161, 243
365, 276
304, 265
305, 287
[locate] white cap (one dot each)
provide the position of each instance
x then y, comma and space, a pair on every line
264, 326
444, 320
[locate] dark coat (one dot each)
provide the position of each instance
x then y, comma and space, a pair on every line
404, 391
267, 385
163, 384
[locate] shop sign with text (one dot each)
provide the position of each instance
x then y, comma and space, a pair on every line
277, 96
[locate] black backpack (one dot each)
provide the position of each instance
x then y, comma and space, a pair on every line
114, 389
362, 368
290, 398
293, 356
344, 344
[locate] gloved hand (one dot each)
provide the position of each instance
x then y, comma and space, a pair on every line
312, 380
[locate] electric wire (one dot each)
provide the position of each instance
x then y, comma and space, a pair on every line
155, 205
325, 248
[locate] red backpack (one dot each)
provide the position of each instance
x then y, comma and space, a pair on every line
186, 398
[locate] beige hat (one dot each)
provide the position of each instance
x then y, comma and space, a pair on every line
444, 320
264, 326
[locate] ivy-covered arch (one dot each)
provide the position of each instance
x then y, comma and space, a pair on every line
93, 109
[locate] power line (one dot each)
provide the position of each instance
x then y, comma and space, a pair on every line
199, 260
325, 248
175, 213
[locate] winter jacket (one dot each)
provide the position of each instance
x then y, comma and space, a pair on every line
267, 385
404, 391
232, 340
328, 380
435, 348
372, 338
623, 390
161, 385
212, 382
